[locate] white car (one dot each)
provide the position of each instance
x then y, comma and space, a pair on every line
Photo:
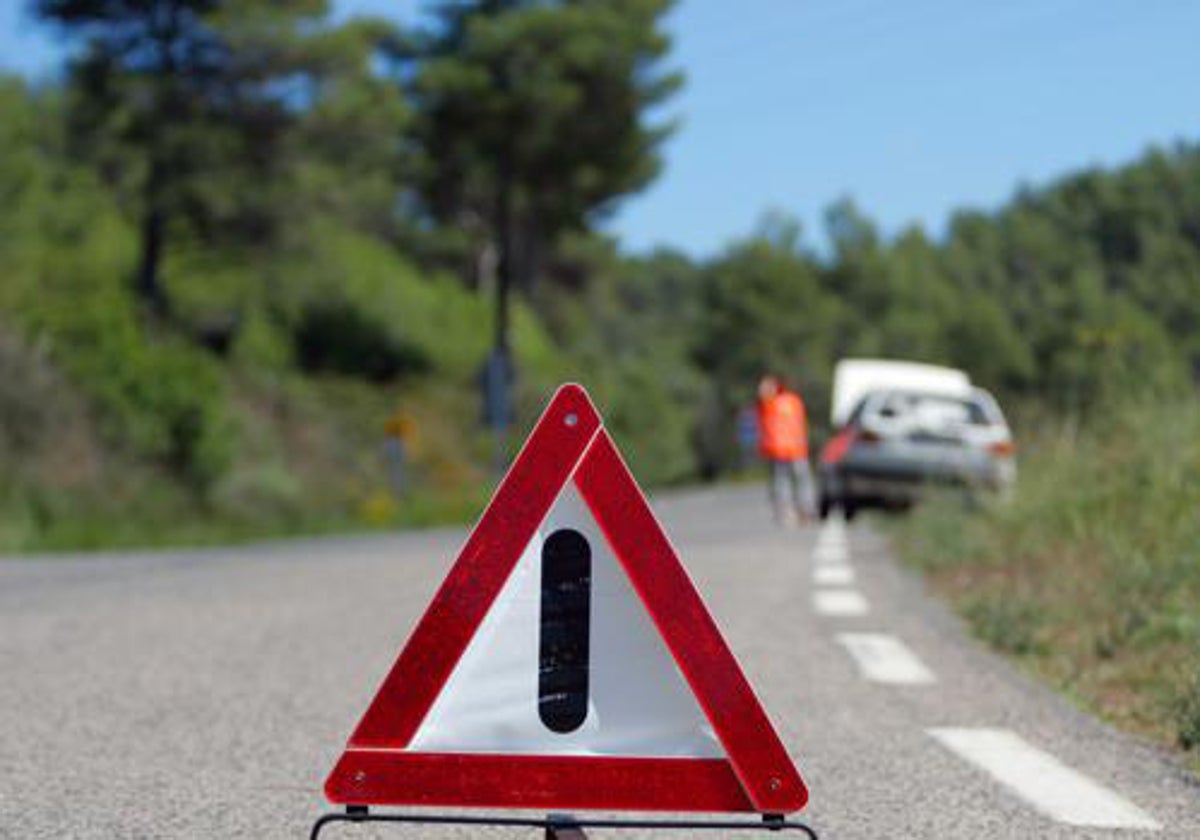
910, 426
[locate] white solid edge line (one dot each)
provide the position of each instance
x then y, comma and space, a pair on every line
833, 575
885, 659
840, 602
1051, 787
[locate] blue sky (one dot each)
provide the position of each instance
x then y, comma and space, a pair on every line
912, 108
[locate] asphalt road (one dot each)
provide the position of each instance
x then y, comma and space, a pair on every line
207, 693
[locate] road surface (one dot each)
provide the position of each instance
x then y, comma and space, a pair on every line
207, 693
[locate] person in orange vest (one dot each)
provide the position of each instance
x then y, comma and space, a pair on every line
783, 443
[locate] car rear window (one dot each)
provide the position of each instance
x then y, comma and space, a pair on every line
931, 410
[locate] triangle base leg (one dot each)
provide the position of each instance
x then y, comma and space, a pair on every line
559, 826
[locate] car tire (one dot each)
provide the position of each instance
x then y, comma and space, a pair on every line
849, 511
824, 507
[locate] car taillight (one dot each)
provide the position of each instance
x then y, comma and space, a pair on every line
1003, 449
835, 450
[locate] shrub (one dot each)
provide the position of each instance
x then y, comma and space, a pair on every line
340, 337
158, 397
31, 394
1187, 710
182, 393
649, 417
1006, 622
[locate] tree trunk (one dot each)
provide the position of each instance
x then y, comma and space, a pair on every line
149, 283
154, 231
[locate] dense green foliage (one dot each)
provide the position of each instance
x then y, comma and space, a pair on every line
1068, 296
236, 238
1090, 576
531, 118
181, 103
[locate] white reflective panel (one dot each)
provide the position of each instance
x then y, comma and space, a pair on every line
639, 703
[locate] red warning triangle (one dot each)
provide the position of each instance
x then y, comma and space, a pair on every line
504, 698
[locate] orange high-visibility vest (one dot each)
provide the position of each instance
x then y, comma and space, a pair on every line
783, 427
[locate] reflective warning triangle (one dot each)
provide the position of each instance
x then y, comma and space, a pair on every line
567, 661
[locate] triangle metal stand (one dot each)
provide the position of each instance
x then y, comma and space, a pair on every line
557, 826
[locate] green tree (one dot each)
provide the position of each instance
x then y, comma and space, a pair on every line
763, 308
189, 108
629, 330
532, 121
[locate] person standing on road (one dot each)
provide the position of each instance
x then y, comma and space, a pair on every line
783, 443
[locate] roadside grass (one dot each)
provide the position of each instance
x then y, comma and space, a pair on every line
1090, 576
164, 522
160, 515
309, 459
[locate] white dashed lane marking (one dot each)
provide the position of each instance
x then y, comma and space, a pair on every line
831, 555
1036, 777
1051, 787
833, 575
845, 602
831, 543
834, 527
885, 659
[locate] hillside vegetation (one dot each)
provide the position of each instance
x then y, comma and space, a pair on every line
1090, 576
218, 282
